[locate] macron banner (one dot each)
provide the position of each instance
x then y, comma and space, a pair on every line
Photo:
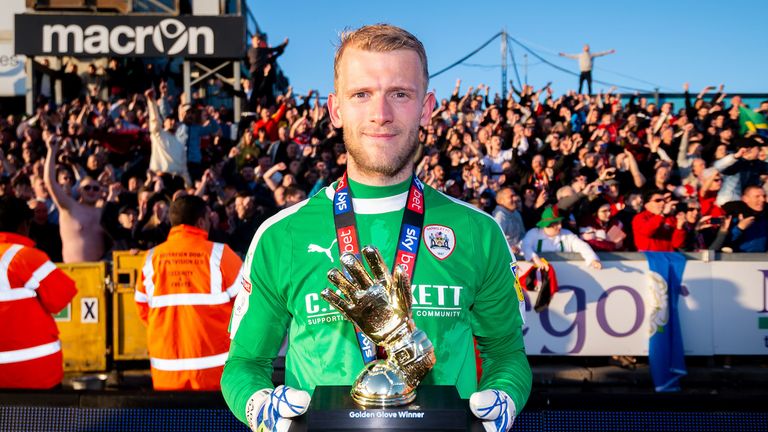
130, 36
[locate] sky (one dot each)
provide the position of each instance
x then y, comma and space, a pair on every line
658, 43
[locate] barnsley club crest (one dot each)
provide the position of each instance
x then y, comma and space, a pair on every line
440, 240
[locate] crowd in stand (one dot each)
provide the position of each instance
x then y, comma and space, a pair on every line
566, 171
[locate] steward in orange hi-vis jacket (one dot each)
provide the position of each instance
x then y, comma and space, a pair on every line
187, 289
31, 289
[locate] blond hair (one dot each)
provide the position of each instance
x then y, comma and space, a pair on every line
379, 38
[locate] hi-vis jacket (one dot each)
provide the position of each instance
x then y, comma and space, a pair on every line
185, 296
31, 289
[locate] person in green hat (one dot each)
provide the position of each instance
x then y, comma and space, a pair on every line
549, 236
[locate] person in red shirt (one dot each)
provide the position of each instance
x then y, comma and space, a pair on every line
32, 288
270, 123
655, 228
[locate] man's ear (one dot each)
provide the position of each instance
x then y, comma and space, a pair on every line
333, 110
427, 109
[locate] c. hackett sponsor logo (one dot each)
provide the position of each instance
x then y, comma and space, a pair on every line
429, 301
170, 37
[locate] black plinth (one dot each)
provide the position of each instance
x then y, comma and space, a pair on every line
436, 408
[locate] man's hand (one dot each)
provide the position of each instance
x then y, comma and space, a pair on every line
495, 408
52, 143
272, 410
745, 222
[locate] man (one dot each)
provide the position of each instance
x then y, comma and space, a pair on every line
247, 221
585, 64
31, 289
259, 54
549, 236
168, 153
463, 278
509, 218
185, 297
749, 226
655, 228
79, 221
741, 169
194, 125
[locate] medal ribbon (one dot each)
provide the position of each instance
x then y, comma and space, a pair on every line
407, 245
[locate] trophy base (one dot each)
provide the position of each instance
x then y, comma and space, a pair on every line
434, 408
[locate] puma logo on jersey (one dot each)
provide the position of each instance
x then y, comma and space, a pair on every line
327, 251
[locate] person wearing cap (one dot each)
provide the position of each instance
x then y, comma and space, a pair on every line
32, 288
549, 236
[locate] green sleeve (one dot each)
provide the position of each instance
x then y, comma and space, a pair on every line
496, 320
259, 322
505, 367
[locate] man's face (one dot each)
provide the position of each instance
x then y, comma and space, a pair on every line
553, 229
90, 192
243, 207
655, 204
127, 219
755, 199
380, 103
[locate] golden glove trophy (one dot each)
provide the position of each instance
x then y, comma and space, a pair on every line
379, 305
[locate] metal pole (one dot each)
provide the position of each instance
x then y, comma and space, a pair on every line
504, 62
187, 81
57, 97
525, 68
29, 86
656, 95
236, 71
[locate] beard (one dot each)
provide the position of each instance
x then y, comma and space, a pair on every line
386, 163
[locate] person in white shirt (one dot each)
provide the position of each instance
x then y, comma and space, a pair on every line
585, 64
549, 236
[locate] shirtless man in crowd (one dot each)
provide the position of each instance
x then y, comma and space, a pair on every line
79, 221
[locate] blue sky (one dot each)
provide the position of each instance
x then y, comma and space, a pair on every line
659, 43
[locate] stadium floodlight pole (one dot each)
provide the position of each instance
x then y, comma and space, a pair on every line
525, 68
504, 61
29, 85
236, 86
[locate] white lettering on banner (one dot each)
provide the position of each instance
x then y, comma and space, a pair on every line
89, 310
607, 312
125, 40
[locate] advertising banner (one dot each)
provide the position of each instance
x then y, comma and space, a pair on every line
130, 36
723, 309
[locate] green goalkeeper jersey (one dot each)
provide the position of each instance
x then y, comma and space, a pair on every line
463, 286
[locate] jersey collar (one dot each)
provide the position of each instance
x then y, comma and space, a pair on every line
375, 199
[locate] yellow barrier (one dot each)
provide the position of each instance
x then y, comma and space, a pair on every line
129, 333
83, 323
